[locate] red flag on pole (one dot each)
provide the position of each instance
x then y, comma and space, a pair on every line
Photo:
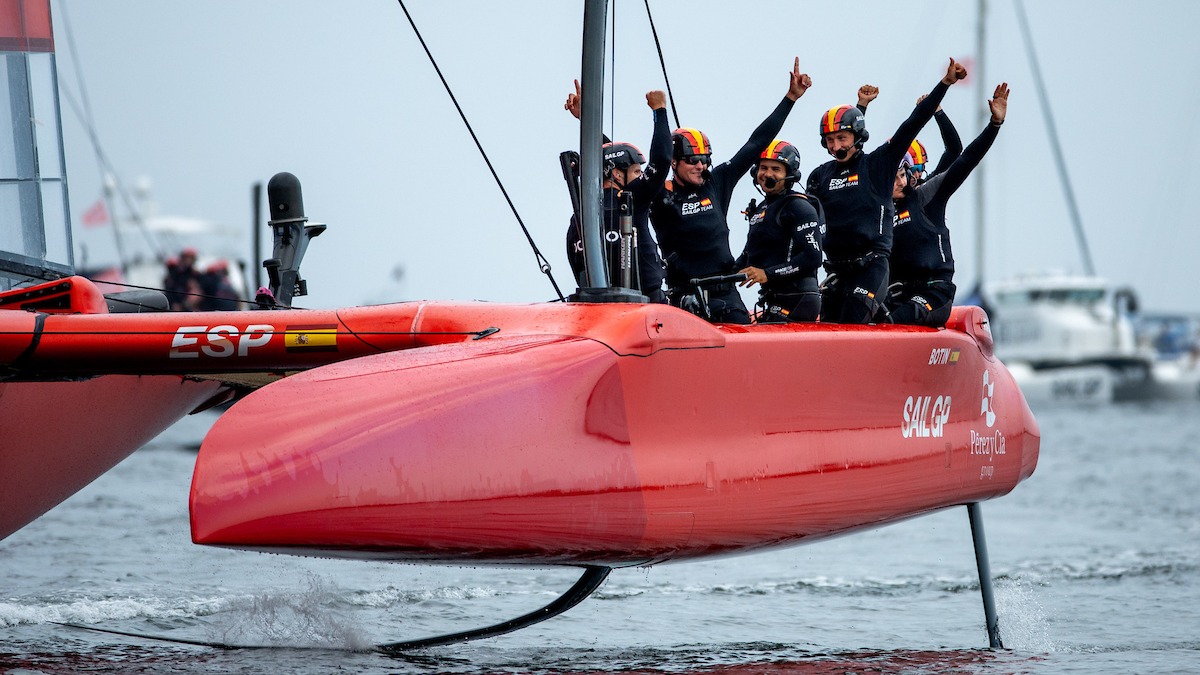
96, 215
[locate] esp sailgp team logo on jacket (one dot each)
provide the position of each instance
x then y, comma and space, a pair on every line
839, 183
690, 208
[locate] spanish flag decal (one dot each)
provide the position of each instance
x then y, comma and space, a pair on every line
698, 145
904, 216
852, 179
832, 118
312, 338
918, 152
706, 202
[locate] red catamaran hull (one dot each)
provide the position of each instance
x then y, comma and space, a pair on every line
613, 435
80, 389
60, 436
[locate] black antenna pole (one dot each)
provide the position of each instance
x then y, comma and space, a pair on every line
590, 136
255, 237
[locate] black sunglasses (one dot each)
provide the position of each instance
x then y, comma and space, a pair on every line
706, 160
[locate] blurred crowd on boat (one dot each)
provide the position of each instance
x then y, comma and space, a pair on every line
191, 289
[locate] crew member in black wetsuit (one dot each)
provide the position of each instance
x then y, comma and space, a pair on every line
922, 264
783, 247
689, 214
623, 172
855, 189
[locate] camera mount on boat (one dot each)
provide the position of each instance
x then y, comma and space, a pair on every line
291, 237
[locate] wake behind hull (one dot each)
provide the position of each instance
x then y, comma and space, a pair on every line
646, 437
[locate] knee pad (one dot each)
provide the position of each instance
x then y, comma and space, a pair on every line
806, 308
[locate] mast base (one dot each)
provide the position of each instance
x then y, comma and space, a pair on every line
607, 294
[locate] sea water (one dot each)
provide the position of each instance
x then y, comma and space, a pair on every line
1096, 560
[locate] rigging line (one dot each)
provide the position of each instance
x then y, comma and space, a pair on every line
108, 170
663, 63
1059, 163
543, 264
87, 119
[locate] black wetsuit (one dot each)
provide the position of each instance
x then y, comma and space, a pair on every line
692, 230
857, 196
922, 262
785, 243
644, 188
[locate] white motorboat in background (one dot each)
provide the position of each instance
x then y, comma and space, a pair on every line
1072, 338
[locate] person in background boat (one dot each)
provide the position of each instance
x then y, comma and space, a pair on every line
182, 282
783, 247
922, 263
623, 172
216, 290
689, 214
951, 142
855, 189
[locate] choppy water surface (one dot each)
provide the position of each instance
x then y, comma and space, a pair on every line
1096, 559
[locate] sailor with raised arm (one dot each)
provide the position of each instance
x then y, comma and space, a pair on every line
922, 263
689, 214
783, 247
866, 94
951, 143
623, 173
855, 189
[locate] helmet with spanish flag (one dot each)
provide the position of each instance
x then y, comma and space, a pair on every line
914, 160
784, 152
845, 118
688, 142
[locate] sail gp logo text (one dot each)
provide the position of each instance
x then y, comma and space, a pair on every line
691, 208
839, 183
925, 416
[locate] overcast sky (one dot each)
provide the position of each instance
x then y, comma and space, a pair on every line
207, 98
